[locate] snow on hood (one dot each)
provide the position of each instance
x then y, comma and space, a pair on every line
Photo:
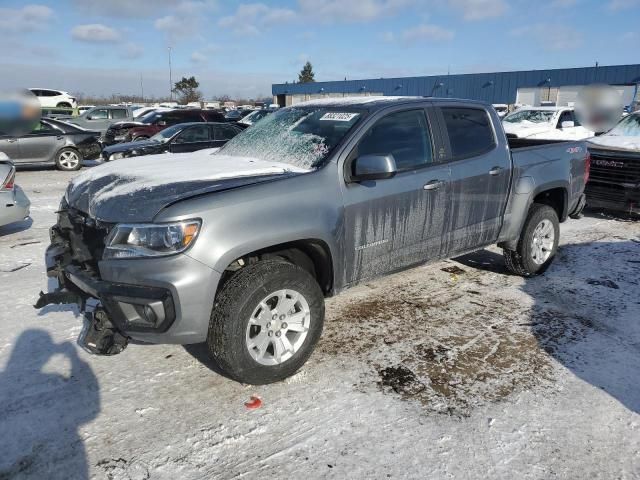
136, 188
619, 142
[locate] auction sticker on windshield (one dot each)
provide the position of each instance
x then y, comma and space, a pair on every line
339, 116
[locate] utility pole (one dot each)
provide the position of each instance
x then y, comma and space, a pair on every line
141, 89
170, 80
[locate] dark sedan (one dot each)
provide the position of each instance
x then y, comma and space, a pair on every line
145, 127
52, 142
185, 137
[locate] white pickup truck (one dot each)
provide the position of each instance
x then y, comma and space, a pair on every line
548, 123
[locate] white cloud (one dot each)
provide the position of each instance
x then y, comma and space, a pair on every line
551, 36
479, 9
198, 57
123, 8
26, 19
132, 51
250, 18
427, 31
345, 11
95, 33
185, 19
617, 5
202, 55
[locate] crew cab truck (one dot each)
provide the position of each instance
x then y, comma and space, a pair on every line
239, 248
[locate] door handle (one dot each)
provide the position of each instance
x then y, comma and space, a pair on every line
495, 171
433, 185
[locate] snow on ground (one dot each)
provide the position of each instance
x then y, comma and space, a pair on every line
453, 370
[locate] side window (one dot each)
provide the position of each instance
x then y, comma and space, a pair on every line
565, 116
192, 117
172, 119
119, 113
470, 132
44, 128
199, 133
405, 135
224, 132
100, 114
37, 93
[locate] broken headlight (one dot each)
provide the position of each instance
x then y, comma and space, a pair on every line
150, 239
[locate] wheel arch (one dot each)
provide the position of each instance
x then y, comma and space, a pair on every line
312, 254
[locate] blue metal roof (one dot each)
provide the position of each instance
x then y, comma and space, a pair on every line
499, 87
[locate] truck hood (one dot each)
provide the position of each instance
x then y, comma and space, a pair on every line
136, 189
616, 142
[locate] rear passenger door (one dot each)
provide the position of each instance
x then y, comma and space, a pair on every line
480, 175
393, 223
222, 134
191, 139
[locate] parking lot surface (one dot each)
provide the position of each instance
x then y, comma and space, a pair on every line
451, 370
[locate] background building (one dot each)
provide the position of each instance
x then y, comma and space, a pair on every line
531, 87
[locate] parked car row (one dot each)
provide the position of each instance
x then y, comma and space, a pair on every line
181, 138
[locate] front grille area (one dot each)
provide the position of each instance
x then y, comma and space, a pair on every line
85, 237
615, 167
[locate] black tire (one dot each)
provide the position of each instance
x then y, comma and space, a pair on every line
520, 261
64, 164
235, 305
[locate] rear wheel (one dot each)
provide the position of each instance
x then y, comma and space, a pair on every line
63, 105
266, 322
538, 242
68, 159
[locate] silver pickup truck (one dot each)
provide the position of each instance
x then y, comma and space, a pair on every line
240, 247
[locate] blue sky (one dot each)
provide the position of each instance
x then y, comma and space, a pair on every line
240, 48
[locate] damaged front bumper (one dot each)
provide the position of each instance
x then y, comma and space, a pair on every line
152, 300
121, 309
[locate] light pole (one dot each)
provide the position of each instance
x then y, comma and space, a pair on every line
170, 80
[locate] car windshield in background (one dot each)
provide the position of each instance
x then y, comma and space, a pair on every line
150, 117
302, 137
533, 116
628, 126
164, 135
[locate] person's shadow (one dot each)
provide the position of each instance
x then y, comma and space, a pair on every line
587, 312
41, 413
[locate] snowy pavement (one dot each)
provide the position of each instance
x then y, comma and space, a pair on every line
452, 370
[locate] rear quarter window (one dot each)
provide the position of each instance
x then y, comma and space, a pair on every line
470, 131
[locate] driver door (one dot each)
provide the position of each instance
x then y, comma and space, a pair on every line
191, 139
393, 223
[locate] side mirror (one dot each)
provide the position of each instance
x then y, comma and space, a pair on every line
373, 167
567, 124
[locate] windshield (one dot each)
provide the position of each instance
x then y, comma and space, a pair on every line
149, 118
533, 116
164, 135
302, 137
628, 126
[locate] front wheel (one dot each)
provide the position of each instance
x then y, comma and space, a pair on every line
68, 159
266, 322
538, 242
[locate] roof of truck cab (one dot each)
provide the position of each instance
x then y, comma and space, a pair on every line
376, 102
